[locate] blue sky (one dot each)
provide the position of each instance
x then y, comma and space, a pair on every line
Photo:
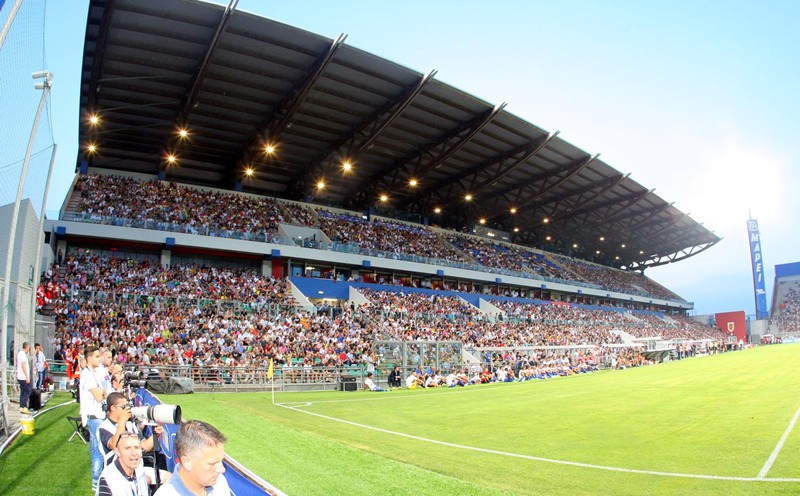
697, 99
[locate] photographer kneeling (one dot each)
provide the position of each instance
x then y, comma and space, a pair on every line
118, 420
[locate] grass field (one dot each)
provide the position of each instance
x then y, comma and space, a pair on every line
701, 426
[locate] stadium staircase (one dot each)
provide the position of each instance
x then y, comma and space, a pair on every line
74, 202
627, 339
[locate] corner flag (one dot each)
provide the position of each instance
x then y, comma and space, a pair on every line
271, 369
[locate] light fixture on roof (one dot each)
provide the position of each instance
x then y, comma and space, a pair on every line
171, 158
384, 198
413, 183
92, 148
468, 197
597, 252
482, 221
513, 210
94, 119
616, 258
269, 148
183, 133
602, 238
548, 238
320, 184
546, 220
574, 245
249, 172
516, 229
641, 252
347, 165
437, 210
623, 245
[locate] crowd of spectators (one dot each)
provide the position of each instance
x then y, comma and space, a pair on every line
154, 315
386, 236
103, 197
505, 256
788, 318
395, 304
106, 198
613, 279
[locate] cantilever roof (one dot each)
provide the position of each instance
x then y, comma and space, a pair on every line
238, 82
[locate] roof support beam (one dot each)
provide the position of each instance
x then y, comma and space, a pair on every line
99, 54
601, 188
527, 152
630, 201
285, 111
361, 137
687, 230
573, 169
478, 124
274, 124
650, 214
587, 207
191, 96
675, 257
440, 150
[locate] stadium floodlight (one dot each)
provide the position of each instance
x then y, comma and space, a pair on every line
41, 75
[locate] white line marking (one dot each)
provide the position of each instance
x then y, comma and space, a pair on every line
778, 447
546, 460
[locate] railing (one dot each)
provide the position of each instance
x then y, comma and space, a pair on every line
293, 374
162, 302
153, 225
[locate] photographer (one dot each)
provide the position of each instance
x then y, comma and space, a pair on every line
125, 476
117, 422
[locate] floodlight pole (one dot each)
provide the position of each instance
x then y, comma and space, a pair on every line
9, 22
45, 87
37, 263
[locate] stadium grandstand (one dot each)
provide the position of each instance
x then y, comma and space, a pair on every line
243, 196
785, 312
250, 195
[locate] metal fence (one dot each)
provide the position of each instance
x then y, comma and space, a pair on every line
164, 302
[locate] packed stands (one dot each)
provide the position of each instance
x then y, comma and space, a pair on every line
206, 317
614, 279
387, 236
788, 319
506, 256
161, 205
117, 200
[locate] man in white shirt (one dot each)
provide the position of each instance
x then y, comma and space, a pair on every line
92, 397
125, 476
370, 384
23, 369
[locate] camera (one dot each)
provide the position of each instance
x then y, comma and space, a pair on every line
133, 379
156, 414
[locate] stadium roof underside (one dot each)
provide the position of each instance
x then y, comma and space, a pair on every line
238, 83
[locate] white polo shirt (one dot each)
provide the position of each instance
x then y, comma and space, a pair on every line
23, 373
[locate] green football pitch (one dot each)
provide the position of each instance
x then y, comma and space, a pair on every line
720, 424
